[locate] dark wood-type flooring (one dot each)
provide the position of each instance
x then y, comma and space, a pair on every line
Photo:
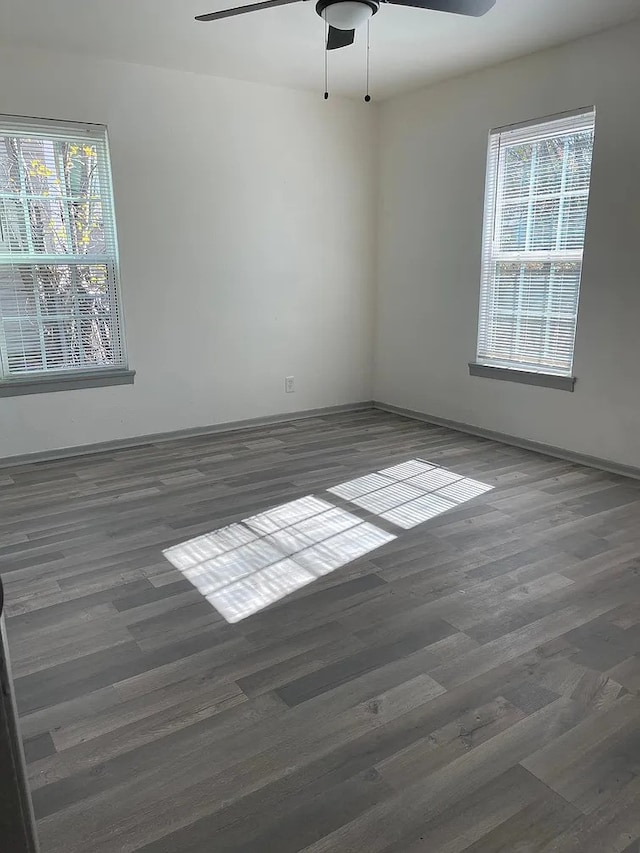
470, 686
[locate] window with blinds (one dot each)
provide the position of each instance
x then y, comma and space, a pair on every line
537, 196
60, 311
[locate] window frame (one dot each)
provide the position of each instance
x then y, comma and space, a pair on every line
521, 371
83, 376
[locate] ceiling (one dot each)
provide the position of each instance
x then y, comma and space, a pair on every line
284, 46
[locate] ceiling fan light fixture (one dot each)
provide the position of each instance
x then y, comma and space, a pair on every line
346, 14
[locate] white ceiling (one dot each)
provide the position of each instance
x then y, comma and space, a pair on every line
409, 47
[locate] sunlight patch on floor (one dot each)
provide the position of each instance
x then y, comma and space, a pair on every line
410, 493
244, 567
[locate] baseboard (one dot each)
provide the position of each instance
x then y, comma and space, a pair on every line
251, 423
158, 437
524, 443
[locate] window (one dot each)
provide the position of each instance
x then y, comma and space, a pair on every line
60, 313
535, 218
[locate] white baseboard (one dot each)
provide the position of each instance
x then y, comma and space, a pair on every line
156, 438
524, 443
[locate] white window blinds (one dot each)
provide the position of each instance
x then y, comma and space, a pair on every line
59, 294
535, 218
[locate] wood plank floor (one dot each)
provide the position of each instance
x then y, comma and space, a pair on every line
472, 685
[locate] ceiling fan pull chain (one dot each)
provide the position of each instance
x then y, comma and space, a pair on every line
367, 97
326, 62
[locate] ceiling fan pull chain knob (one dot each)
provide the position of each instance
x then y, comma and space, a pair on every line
367, 97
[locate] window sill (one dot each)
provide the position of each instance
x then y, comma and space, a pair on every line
65, 382
525, 377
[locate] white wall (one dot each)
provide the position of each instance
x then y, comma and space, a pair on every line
245, 216
268, 269
432, 170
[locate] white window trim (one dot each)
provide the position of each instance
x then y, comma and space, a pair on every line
86, 376
502, 369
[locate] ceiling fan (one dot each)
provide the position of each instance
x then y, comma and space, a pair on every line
344, 16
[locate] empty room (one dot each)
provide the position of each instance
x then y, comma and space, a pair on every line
319, 426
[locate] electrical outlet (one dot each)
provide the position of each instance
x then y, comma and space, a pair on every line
289, 384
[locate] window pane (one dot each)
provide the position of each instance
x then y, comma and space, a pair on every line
9, 173
22, 342
513, 227
58, 253
58, 318
573, 222
544, 225
58, 208
531, 320
517, 171
535, 221
580, 155
548, 166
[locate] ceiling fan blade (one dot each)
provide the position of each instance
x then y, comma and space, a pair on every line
475, 8
240, 10
339, 38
